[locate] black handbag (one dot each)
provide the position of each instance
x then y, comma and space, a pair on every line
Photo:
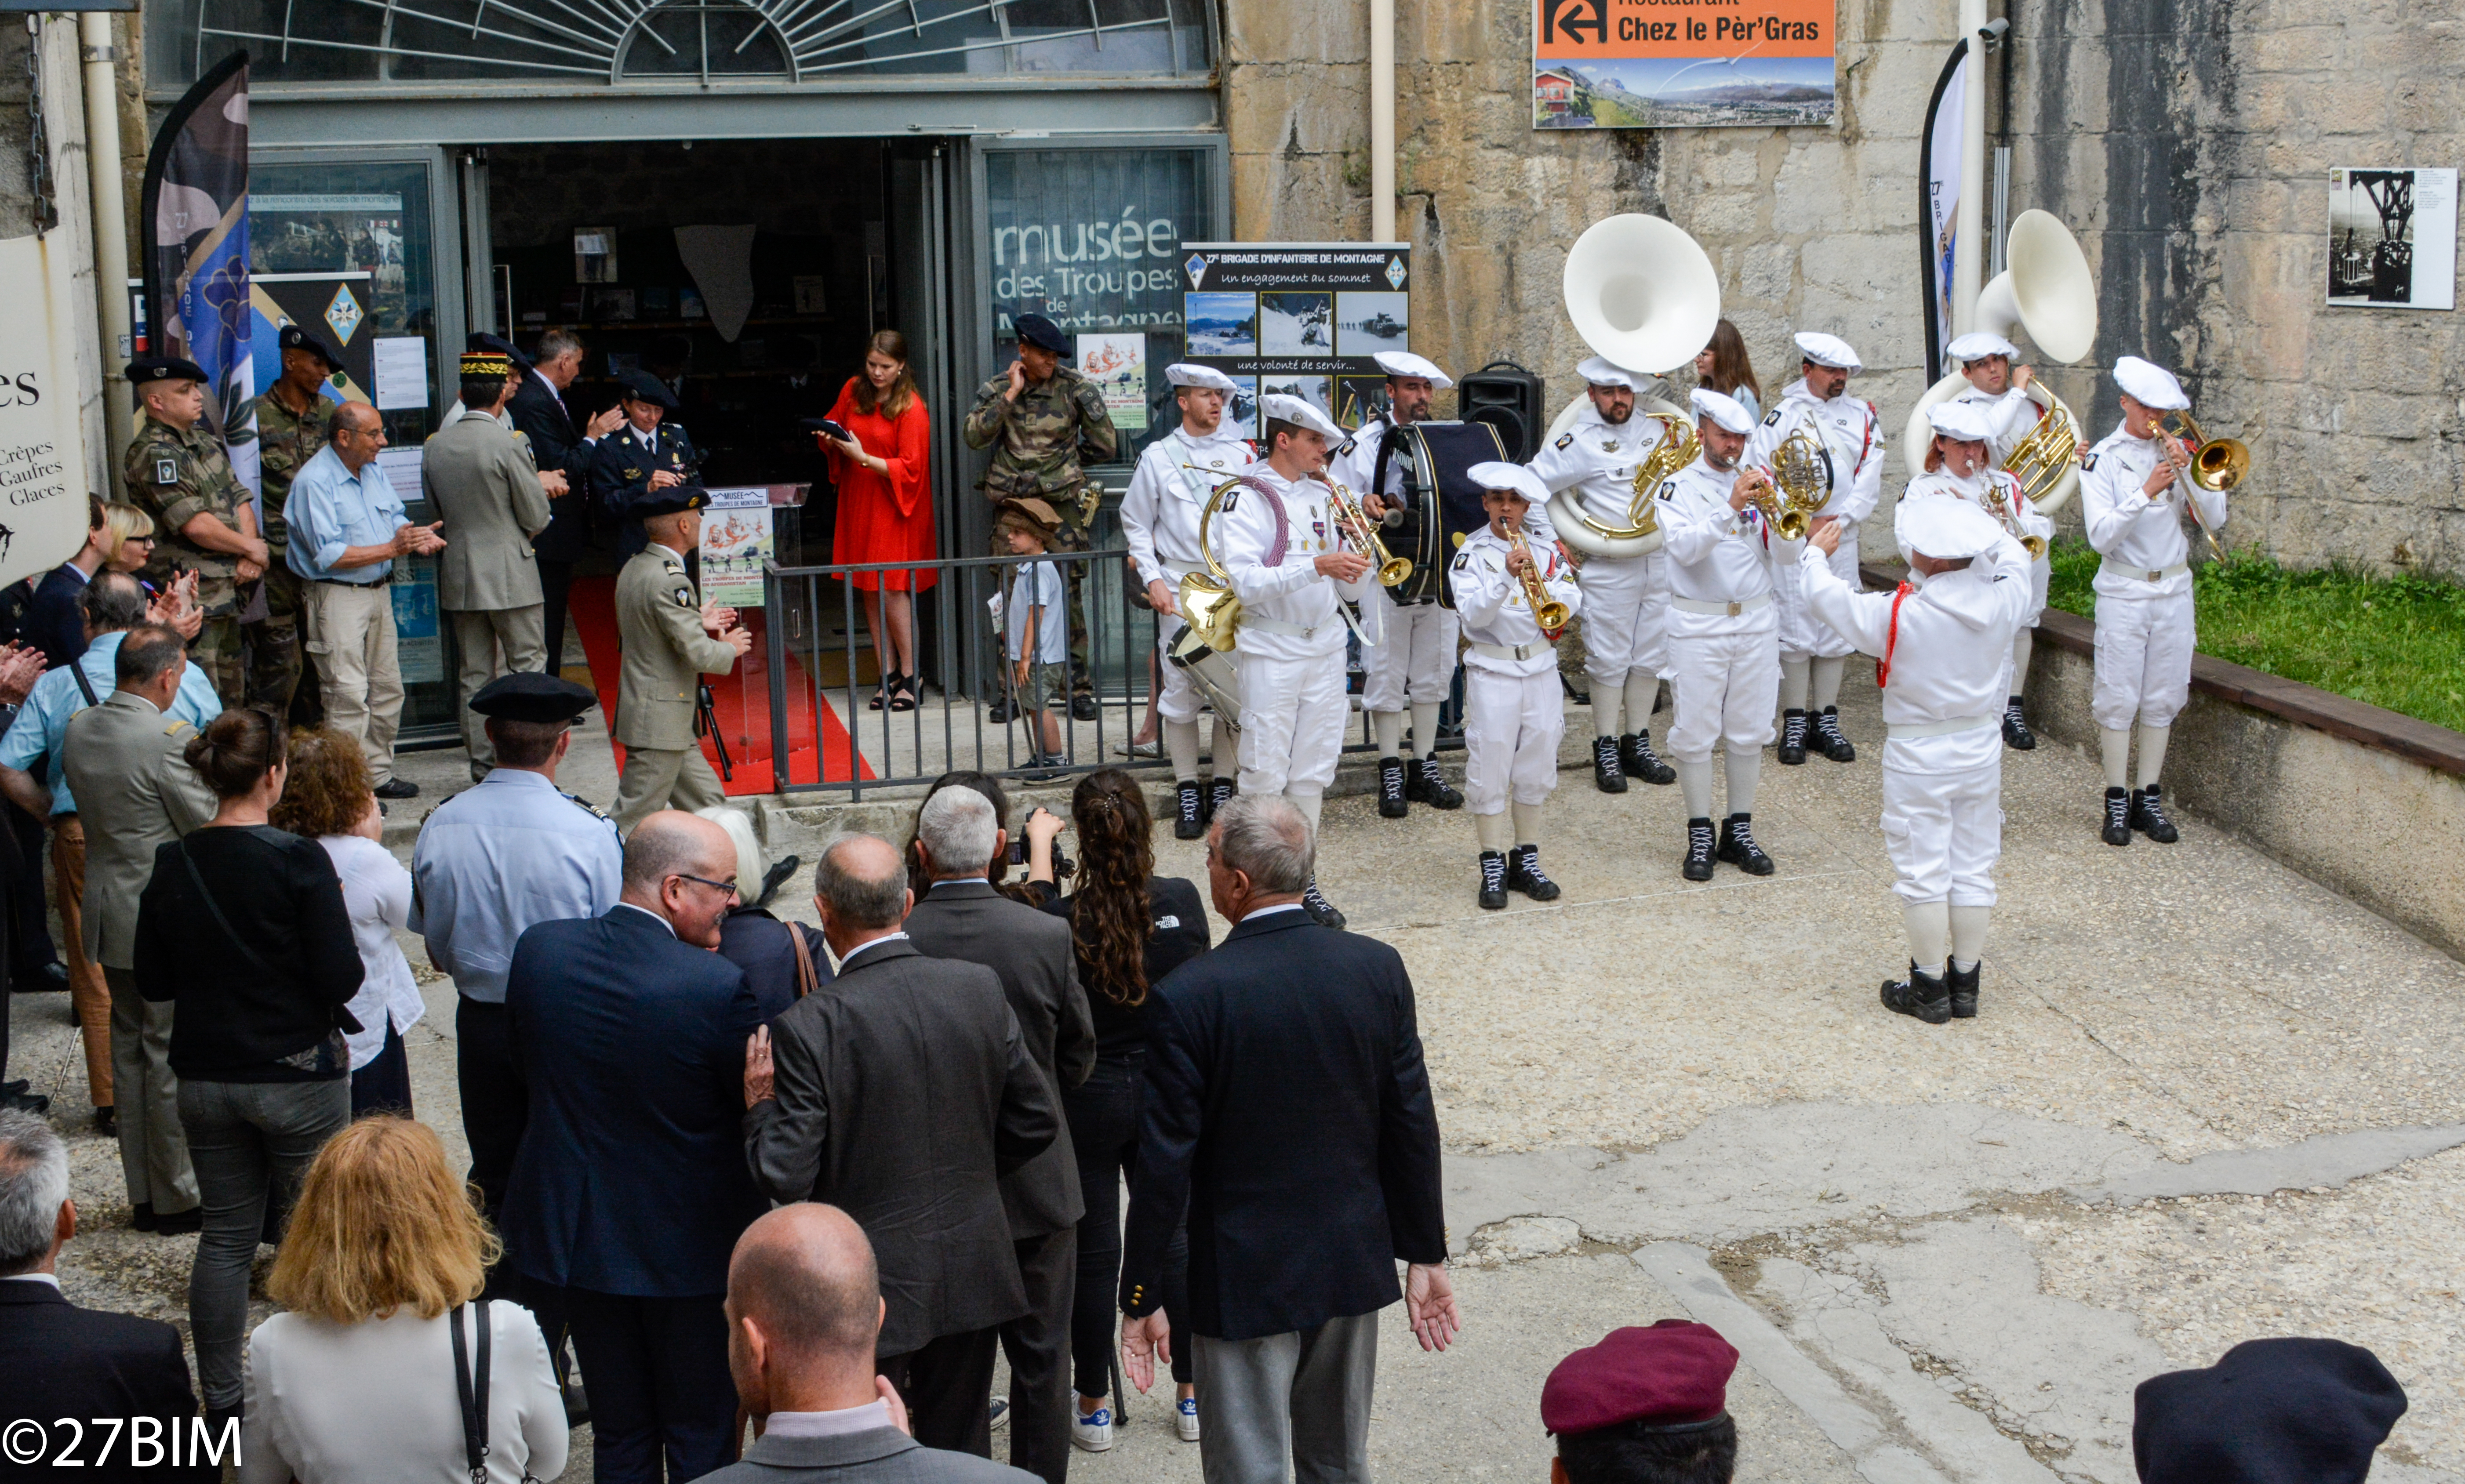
470, 1386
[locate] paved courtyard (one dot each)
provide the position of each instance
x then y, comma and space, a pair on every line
2208, 1101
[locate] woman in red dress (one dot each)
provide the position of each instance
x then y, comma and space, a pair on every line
885, 506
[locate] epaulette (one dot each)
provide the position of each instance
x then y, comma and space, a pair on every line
174, 730
585, 804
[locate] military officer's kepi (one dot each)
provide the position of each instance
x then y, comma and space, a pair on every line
293, 338
1043, 334
479, 364
666, 502
481, 339
165, 368
640, 385
527, 696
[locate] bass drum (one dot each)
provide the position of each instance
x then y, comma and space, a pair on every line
1441, 502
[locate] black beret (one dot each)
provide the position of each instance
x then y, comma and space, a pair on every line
527, 696
496, 344
2272, 1411
641, 385
1040, 332
293, 338
667, 501
165, 369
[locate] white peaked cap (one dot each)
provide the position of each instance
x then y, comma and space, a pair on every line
1603, 372
1978, 344
1722, 409
1964, 421
1403, 362
1301, 413
1496, 475
1947, 529
2150, 384
1184, 374
1828, 350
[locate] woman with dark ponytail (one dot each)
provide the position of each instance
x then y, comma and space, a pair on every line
1131, 928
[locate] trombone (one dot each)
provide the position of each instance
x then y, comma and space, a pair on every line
1546, 611
1363, 533
2217, 465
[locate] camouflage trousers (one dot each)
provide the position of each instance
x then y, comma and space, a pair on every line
273, 641
218, 649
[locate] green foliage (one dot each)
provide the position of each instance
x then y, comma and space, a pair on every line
2397, 642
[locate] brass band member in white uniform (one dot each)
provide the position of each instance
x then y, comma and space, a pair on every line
1850, 434
2134, 494
1941, 651
1626, 620
2001, 391
1515, 713
1957, 466
1291, 578
1413, 662
1724, 634
1160, 515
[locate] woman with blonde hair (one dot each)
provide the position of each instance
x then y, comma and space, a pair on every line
128, 546
360, 1379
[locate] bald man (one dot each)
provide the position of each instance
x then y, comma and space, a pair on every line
804, 1311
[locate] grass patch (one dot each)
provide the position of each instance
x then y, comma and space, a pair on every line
2397, 642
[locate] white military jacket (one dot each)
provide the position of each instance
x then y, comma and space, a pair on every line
1496, 610
2011, 417
1597, 460
1847, 427
1160, 510
2018, 518
2141, 540
1715, 555
1271, 546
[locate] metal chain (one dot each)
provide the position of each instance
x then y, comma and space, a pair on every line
38, 143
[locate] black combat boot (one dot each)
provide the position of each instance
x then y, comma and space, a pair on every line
1920, 995
1828, 738
1321, 910
1698, 851
2017, 735
1189, 820
1390, 789
1218, 789
2148, 816
1607, 776
1524, 875
1962, 984
1635, 751
1739, 848
2118, 818
1493, 880
1793, 738
1424, 784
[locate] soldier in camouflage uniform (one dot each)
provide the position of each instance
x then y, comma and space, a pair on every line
203, 519
294, 420
1038, 417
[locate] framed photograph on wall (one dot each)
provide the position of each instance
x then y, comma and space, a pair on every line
2391, 238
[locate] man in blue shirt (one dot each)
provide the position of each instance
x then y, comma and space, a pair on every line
347, 530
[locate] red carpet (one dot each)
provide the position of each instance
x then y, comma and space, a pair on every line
741, 700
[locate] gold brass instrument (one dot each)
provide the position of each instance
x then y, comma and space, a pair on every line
2051, 451
1363, 533
1999, 506
1766, 497
2217, 465
1679, 446
1206, 601
1802, 474
1546, 611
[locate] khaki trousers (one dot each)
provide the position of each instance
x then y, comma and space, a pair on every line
88, 995
153, 1148
658, 778
492, 642
350, 630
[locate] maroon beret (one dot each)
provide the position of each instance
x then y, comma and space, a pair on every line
1676, 1371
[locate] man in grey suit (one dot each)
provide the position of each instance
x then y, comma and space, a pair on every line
128, 771
481, 478
901, 1092
804, 1312
962, 917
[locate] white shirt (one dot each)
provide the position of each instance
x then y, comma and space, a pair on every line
1160, 508
2137, 535
1597, 460
494, 859
870, 943
1715, 553
2009, 417
1281, 906
1847, 427
376, 891
1494, 606
827, 1425
1290, 593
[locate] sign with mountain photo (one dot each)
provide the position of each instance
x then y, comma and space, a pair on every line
1647, 64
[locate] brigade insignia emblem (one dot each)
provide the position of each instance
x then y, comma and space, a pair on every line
1231, 497
166, 471
1771, 417
1566, 440
1668, 490
1608, 444
684, 597
2088, 462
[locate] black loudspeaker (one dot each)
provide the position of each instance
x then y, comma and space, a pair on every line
1509, 399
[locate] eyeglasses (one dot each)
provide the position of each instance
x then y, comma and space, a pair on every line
729, 887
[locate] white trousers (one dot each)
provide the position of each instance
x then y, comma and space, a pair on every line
1512, 726
1181, 700
2041, 574
1802, 635
1626, 620
1945, 832
1413, 662
1292, 722
2143, 660
1725, 687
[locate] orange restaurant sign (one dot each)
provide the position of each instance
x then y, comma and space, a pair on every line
1610, 64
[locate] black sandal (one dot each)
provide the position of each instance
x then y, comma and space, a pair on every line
902, 695
882, 690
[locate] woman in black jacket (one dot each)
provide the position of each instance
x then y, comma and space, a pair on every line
244, 925
1131, 928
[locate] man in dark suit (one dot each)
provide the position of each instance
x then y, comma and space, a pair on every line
62, 1360
629, 1189
1288, 1110
962, 917
901, 1092
560, 445
803, 1312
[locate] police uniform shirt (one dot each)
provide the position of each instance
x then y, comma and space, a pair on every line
2141, 540
1848, 429
1715, 553
1496, 611
1597, 460
495, 858
1300, 609
1160, 509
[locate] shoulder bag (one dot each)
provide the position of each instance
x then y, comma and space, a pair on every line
470, 1385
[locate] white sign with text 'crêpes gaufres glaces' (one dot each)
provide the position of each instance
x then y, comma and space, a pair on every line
42, 444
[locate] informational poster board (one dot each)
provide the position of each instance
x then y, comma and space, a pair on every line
1303, 319
1647, 64
1118, 365
43, 468
2392, 238
736, 540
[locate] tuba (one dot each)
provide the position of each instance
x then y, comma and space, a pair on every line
1206, 601
2047, 291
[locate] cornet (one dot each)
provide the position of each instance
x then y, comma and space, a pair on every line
1363, 533
1999, 506
1546, 611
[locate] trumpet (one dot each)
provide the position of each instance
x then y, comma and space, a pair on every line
1363, 533
1546, 611
1766, 498
1999, 506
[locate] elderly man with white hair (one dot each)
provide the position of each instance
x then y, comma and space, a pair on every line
1293, 578
1939, 654
2135, 491
1626, 599
1413, 662
1723, 632
1849, 434
1159, 513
